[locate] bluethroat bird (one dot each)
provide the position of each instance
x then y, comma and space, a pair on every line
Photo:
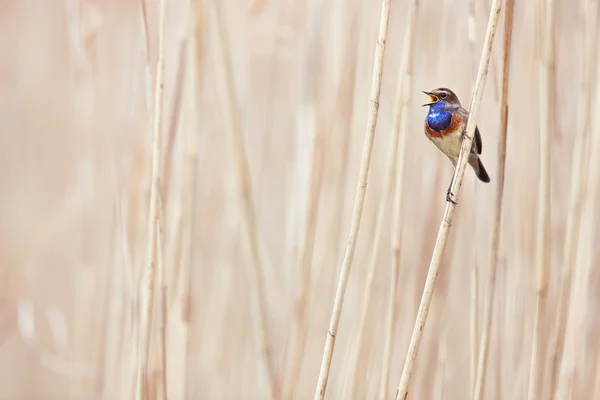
445, 126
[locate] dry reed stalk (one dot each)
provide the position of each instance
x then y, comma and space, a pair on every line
493, 266
144, 13
342, 143
543, 239
182, 81
343, 125
120, 265
147, 312
359, 200
162, 375
127, 325
309, 200
103, 364
572, 330
596, 389
256, 275
596, 384
593, 200
396, 168
444, 229
571, 239
146, 37
499, 337
274, 77
472, 30
474, 322
474, 317
304, 264
173, 126
387, 193
189, 178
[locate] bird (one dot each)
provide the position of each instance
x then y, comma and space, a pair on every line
445, 126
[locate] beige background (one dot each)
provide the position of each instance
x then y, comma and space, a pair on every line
75, 145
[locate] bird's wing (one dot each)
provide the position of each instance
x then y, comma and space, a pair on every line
477, 136
478, 144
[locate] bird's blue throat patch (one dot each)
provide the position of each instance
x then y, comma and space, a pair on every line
438, 118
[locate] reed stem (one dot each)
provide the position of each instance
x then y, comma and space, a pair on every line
493, 265
444, 229
359, 200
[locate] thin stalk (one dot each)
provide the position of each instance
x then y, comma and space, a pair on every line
444, 230
500, 317
596, 389
343, 124
571, 237
189, 182
382, 214
309, 200
104, 349
491, 283
474, 322
148, 74
148, 310
396, 168
572, 330
472, 32
162, 279
474, 312
594, 197
359, 200
342, 138
304, 264
544, 195
173, 125
256, 275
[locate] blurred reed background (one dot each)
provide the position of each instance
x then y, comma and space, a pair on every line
264, 115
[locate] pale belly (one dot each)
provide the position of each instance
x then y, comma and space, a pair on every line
450, 145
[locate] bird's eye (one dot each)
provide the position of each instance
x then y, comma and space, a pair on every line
443, 95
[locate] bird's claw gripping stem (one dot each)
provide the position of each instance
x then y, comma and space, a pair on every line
450, 195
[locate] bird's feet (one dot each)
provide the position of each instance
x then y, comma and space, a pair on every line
449, 196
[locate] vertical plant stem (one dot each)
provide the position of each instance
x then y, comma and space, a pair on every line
256, 276
594, 197
474, 320
500, 335
593, 200
572, 232
493, 266
472, 32
572, 300
474, 317
444, 230
189, 182
400, 127
304, 264
312, 126
343, 128
173, 127
162, 376
345, 103
358, 202
148, 310
596, 388
382, 213
546, 94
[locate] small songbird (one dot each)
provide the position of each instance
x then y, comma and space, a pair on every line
445, 126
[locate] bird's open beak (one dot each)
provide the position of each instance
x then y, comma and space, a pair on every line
432, 99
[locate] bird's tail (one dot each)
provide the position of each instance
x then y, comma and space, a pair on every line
479, 170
